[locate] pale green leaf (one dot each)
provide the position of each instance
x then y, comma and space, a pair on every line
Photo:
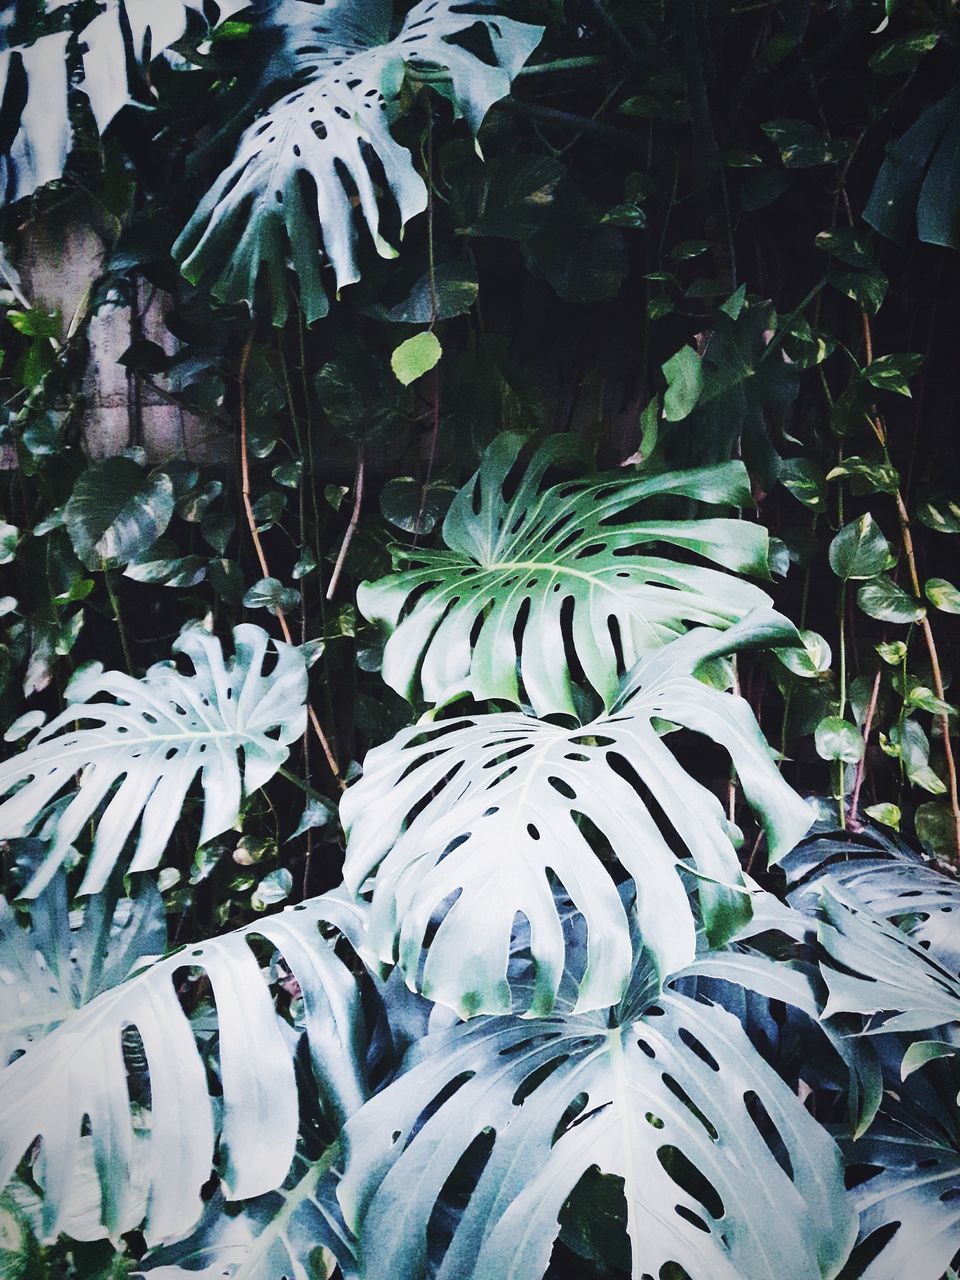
944, 595
881, 598
620, 1094
838, 739
484, 806
415, 357
255, 1117
141, 751
684, 375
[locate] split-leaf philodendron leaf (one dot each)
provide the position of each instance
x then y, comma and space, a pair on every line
668, 1095
490, 808
147, 746
116, 45
301, 166
537, 579
77, 1076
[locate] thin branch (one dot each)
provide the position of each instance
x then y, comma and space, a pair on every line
351, 527
938, 688
258, 545
854, 816
580, 124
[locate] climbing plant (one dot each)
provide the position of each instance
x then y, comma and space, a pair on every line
485, 801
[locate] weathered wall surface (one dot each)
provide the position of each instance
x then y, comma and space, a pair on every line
59, 261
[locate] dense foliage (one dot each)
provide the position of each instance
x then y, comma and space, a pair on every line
602, 352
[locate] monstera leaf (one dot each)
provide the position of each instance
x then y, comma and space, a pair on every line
117, 43
148, 745
542, 579
919, 182
324, 142
37, 147
491, 813
77, 1076
880, 971
667, 1094
913, 1189
890, 879
61, 962
296, 1232
130, 33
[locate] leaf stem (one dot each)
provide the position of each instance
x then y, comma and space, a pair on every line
906, 539
854, 816
258, 545
351, 527
118, 619
583, 63
938, 688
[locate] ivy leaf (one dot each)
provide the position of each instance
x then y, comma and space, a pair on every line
359, 396
936, 828
860, 550
868, 288
910, 743
940, 514
871, 477
511, 196
688, 249
117, 512
274, 888
270, 593
899, 57
804, 479
844, 244
450, 292
802, 146
886, 813
891, 373
808, 662
892, 652
9, 537
881, 598
684, 375
944, 595
410, 505
415, 357
838, 739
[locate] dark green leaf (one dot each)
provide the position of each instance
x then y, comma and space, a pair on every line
804, 479
860, 550
899, 57
892, 373
940, 514
410, 505
117, 512
802, 146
